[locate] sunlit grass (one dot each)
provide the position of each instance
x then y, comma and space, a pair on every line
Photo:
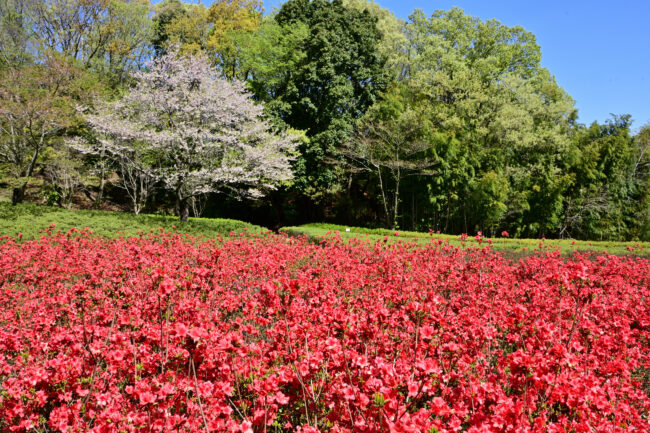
512, 246
30, 220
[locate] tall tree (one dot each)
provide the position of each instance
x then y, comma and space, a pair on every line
196, 28
266, 60
640, 175
109, 36
390, 144
226, 17
393, 40
176, 23
607, 182
70, 26
505, 120
337, 80
205, 133
16, 37
126, 31
36, 106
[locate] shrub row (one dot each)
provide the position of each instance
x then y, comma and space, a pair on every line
272, 333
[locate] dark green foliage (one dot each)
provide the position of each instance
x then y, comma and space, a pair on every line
608, 196
336, 81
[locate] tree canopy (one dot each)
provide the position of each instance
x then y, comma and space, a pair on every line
202, 133
444, 122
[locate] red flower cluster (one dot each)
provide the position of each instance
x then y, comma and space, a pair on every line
170, 334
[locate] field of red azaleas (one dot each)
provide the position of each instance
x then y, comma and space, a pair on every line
268, 334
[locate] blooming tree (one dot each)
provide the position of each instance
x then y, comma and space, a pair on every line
131, 160
201, 133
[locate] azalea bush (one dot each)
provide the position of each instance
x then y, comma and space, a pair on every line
269, 333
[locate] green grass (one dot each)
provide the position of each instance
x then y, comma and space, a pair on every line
513, 247
30, 220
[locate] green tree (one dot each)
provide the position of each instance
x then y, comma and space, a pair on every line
336, 81
266, 60
496, 114
226, 17
16, 38
392, 45
489, 197
123, 39
641, 178
389, 145
180, 24
108, 36
36, 108
609, 169
213, 31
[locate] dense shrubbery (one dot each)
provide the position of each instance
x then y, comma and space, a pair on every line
272, 333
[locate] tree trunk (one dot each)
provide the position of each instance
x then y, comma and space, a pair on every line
446, 229
276, 208
184, 209
18, 194
102, 180
396, 204
413, 210
384, 200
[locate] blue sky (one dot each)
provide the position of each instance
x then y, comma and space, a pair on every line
599, 51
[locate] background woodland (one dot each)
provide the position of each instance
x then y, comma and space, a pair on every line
442, 122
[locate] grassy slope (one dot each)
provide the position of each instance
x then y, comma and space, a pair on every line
511, 246
31, 219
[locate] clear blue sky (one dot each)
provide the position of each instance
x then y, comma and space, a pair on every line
599, 51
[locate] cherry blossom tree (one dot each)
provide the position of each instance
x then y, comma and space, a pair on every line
202, 134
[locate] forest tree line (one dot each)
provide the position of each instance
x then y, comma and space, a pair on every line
442, 122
